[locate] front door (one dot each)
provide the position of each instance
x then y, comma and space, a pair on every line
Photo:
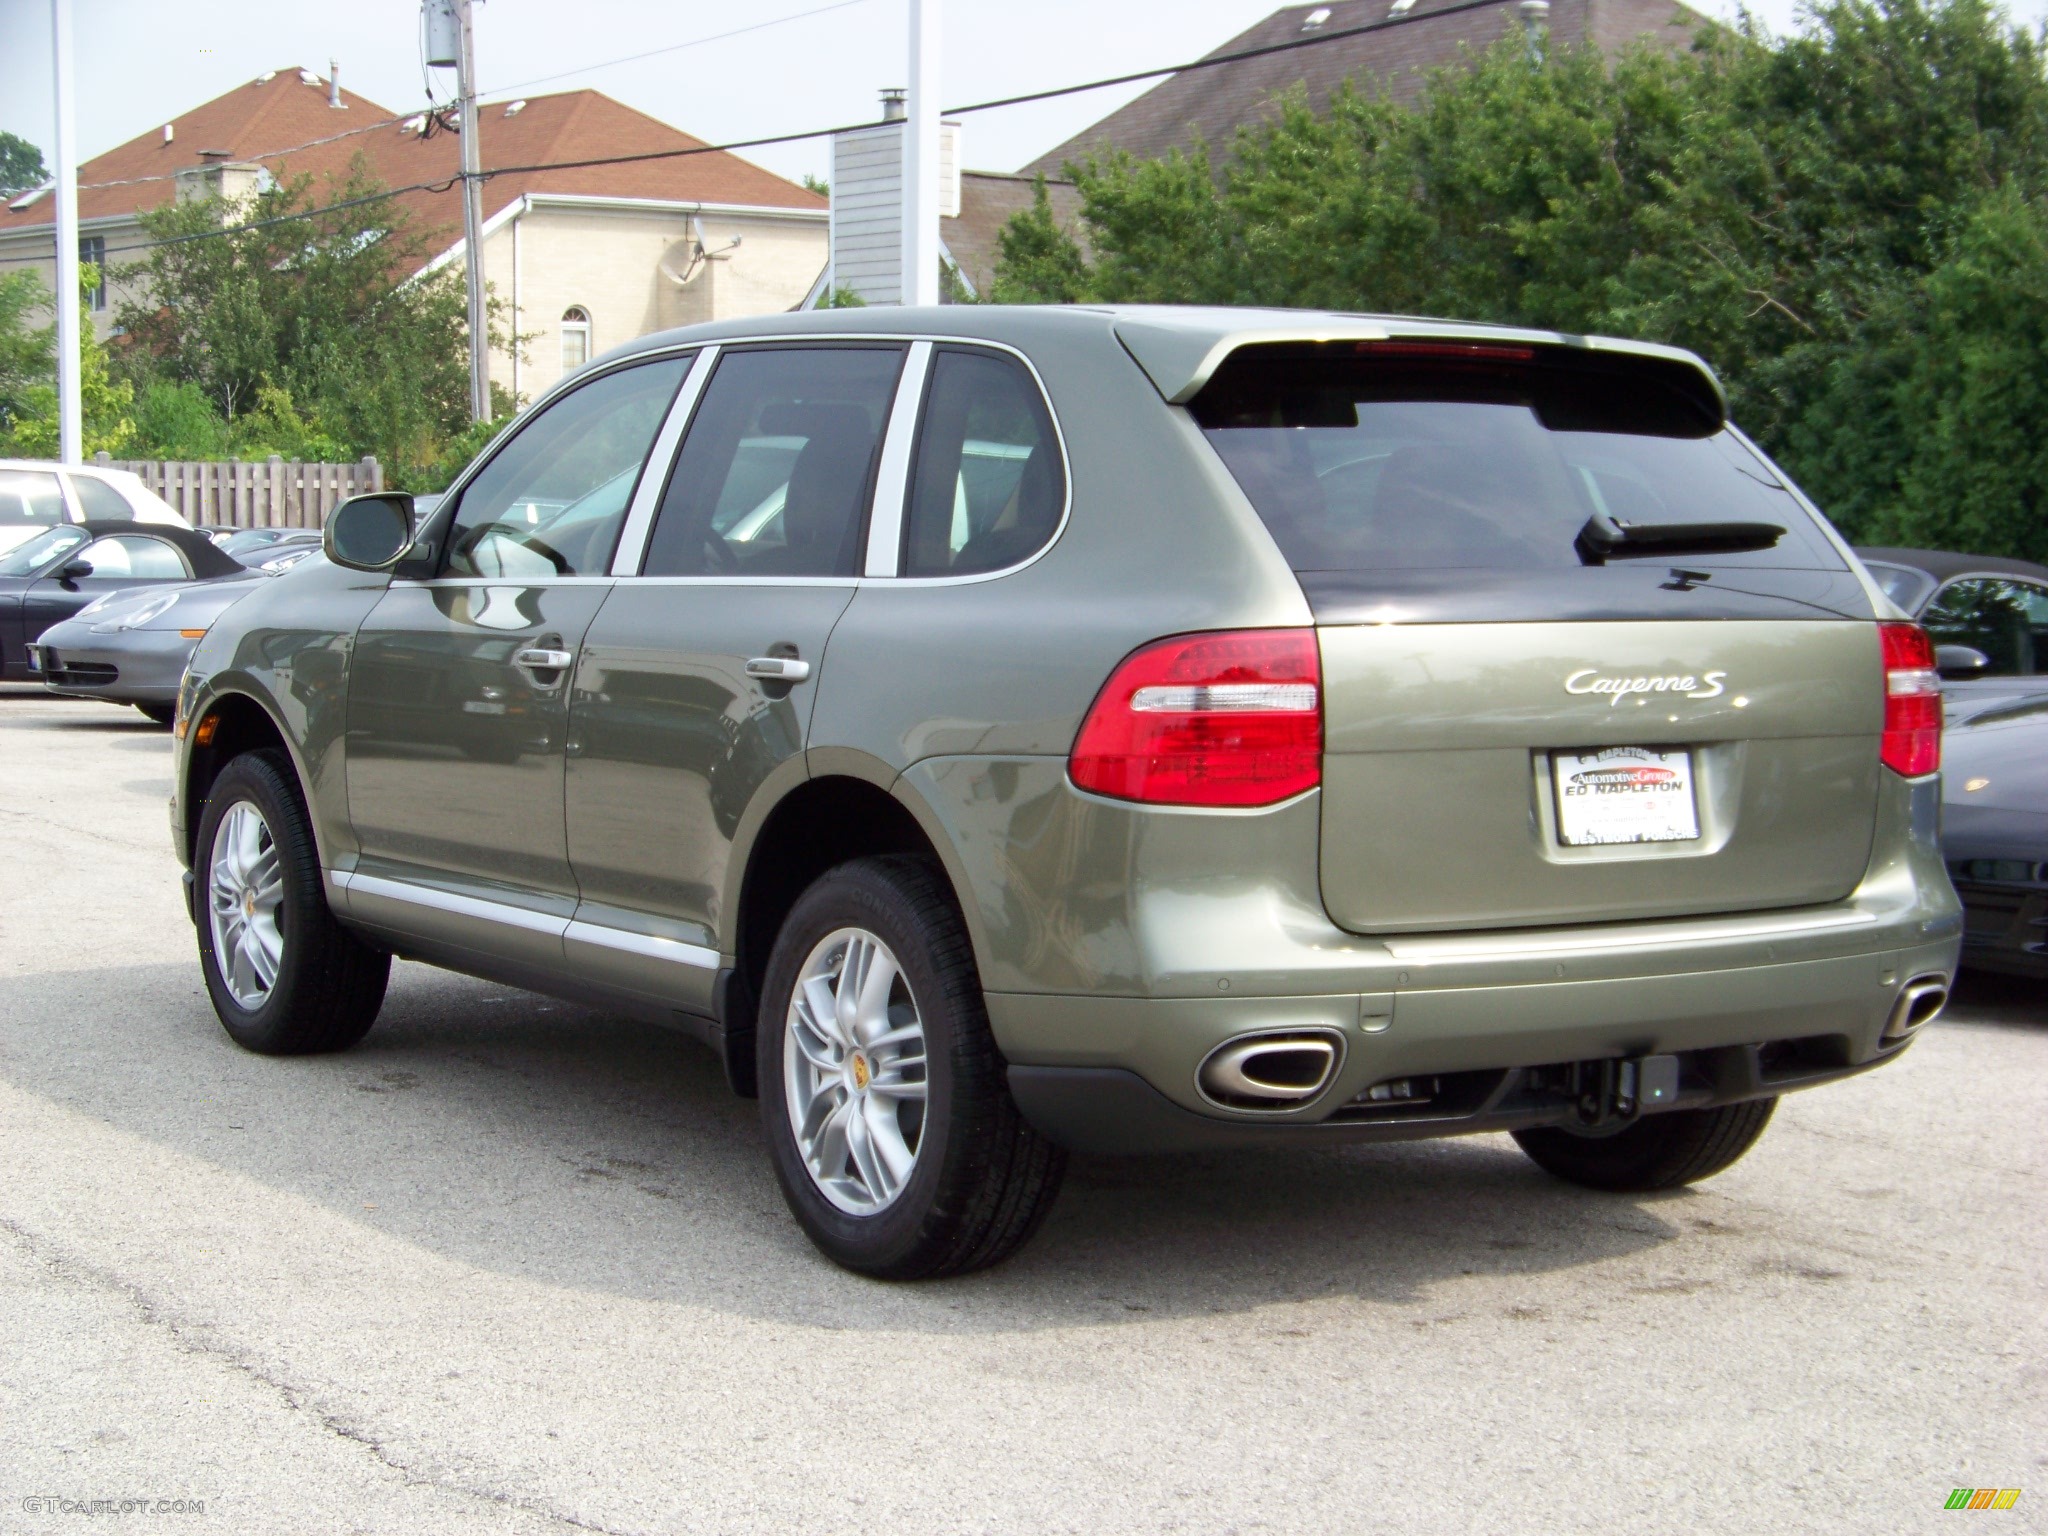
696, 682
458, 689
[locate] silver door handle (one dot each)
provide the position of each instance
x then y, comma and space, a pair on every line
535, 659
778, 669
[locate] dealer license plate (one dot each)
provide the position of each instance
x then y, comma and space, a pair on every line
1625, 795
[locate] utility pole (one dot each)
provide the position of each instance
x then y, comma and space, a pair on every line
921, 159
473, 225
70, 425
450, 40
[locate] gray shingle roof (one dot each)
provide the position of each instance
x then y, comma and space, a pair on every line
1211, 104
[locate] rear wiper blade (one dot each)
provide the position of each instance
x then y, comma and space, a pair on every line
1607, 538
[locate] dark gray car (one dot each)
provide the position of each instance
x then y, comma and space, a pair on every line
1000, 731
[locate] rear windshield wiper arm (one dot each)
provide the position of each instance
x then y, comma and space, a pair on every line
1607, 538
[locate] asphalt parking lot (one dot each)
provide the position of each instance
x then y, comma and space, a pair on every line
513, 1266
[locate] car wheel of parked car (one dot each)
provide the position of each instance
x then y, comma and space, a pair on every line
1662, 1151
162, 714
888, 1114
285, 977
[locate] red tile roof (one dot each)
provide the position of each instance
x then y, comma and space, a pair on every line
275, 122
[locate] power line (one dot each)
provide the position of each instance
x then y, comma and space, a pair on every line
695, 42
1214, 61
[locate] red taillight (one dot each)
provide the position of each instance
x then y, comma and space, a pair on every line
1912, 701
1216, 719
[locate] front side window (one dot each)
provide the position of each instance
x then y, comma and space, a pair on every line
776, 472
575, 338
100, 499
2006, 620
41, 549
552, 500
988, 486
30, 497
134, 557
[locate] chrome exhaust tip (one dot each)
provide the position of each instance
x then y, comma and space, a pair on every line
1919, 1003
1276, 1070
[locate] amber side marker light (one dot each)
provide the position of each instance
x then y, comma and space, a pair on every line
204, 735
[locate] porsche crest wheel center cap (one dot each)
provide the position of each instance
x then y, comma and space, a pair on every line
861, 1075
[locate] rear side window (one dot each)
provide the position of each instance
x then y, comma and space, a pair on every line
775, 475
100, 499
989, 485
32, 497
1419, 457
134, 558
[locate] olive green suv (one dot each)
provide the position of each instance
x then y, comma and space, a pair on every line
1000, 732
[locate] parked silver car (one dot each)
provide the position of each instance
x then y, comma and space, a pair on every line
132, 647
1001, 731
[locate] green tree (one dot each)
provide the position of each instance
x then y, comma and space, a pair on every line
316, 304
27, 351
1845, 222
106, 403
21, 165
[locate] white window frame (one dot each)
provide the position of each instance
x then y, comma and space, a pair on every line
580, 328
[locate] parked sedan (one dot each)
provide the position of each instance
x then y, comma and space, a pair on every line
66, 567
1995, 835
1987, 616
36, 495
132, 647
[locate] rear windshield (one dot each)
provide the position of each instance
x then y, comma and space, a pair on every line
1380, 459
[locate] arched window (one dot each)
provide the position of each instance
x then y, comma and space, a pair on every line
575, 337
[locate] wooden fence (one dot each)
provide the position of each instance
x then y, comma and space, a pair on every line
264, 494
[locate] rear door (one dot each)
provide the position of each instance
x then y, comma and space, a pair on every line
1523, 726
696, 682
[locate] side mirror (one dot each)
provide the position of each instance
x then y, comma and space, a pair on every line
369, 533
1959, 661
73, 571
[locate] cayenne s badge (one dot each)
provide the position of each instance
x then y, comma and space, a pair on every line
1588, 680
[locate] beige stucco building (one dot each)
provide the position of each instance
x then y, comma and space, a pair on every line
579, 258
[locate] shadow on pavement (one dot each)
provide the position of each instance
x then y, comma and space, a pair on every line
509, 1132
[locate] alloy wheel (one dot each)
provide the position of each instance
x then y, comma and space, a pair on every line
854, 1071
245, 905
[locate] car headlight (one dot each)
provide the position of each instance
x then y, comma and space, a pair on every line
136, 617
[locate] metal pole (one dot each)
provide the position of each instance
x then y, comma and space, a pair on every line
70, 429
921, 159
472, 226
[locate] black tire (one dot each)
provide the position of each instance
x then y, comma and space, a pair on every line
983, 1179
329, 983
1662, 1151
162, 714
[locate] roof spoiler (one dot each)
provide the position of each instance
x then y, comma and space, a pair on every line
1180, 357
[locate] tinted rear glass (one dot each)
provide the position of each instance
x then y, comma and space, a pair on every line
1491, 461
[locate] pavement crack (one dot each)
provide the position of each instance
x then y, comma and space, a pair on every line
69, 1269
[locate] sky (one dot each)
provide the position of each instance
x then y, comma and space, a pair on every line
139, 62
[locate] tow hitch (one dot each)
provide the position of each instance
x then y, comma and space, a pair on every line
1609, 1092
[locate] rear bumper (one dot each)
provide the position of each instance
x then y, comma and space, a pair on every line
1740, 1033
1187, 959
1113, 1112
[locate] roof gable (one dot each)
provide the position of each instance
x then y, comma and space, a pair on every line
287, 126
